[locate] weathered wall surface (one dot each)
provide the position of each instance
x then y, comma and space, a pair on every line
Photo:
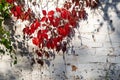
94, 55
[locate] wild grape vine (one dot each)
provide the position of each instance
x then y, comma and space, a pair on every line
52, 29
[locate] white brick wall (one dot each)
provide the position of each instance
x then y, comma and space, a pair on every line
96, 59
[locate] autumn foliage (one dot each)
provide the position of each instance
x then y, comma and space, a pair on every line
55, 26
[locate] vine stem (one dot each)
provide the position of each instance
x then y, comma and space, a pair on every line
64, 59
80, 35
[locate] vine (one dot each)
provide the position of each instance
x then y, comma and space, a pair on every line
4, 33
53, 29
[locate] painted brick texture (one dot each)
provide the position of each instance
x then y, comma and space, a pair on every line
94, 51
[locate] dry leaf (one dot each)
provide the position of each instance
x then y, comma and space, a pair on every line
74, 68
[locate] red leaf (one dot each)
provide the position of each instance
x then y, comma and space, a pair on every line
50, 13
40, 62
73, 1
33, 28
57, 21
88, 3
44, 36
10, 1
65, 13
74, 14
44, 24
67, 5
55, 40
28, 10
44, 12
26, 30
72, 21
19, 10
67, 28
39, 34
58, 47
43, 19
50, 44
59, 38
26, 16
58, 9
31, 31
82, 14
35, 41
62, 31
94, 3
39, 54
77, 3
50, 19
44, 31
37, 24
15, 14
47, 55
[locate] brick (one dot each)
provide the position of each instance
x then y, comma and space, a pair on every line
93, 59
114, 59
85, 59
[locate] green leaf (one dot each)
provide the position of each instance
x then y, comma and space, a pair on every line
3, 1
3, 41
6, 15
8, 34
2, 51
6, 43
5, 35
15, 57
1, 6
15, 62
1, 22
11, 56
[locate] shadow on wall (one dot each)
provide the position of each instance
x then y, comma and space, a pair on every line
112, 73
9, 75
112, 16
25, 58
110, 6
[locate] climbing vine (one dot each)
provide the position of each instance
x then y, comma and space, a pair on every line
51, 30
5, 38
4, 34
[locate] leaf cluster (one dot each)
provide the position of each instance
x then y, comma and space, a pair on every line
4, 34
